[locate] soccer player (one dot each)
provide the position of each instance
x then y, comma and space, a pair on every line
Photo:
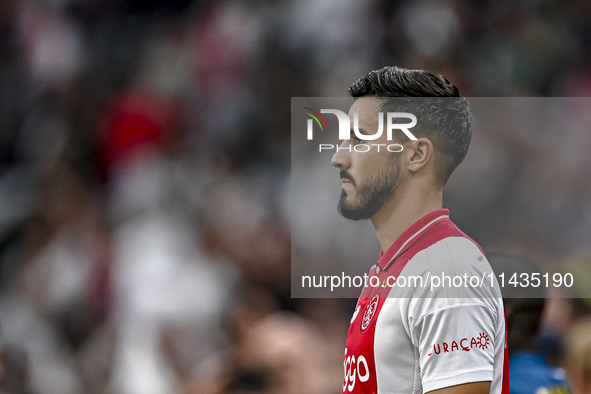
433, 333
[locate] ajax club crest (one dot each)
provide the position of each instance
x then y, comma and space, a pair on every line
370, 311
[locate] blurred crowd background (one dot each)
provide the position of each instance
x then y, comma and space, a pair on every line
144, 178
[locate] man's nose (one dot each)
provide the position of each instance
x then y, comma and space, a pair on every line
342, 157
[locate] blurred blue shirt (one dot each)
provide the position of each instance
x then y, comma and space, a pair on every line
529, 373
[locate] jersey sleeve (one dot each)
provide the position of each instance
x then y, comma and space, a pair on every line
455, 342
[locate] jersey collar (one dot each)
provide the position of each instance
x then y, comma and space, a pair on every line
410, 236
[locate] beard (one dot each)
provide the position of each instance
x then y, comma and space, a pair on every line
371, 195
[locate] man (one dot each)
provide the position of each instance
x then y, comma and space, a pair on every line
417, 338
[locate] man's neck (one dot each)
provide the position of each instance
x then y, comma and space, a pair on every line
402, 211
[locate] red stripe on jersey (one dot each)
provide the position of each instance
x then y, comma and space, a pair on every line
410, 235
505, 389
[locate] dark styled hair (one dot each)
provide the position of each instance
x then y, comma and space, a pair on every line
443, 115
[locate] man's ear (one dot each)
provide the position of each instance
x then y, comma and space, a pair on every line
419, 154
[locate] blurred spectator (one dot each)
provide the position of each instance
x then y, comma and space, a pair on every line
578, 356
529, 371
278, 354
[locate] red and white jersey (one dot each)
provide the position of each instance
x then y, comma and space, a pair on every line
414, 337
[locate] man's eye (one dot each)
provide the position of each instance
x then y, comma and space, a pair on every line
357, 139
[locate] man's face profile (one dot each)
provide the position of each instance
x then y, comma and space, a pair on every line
369, 178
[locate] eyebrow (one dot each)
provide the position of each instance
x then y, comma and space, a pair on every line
361, 131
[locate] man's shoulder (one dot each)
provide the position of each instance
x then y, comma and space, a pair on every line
446, 232
453, 253
452, 268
